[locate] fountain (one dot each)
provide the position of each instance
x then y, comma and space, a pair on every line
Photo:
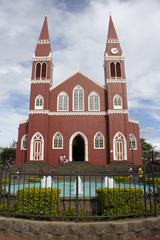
46, 182
109, 182
79, 186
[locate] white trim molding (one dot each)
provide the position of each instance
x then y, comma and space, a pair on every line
133, 121
118, 111
39, 112
40, 81
113, 40
84, 75
116, 81
44, 41
68, 113
114, 58
85, 143
42, 58
23, 122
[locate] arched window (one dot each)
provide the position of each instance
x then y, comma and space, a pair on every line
112, 69
62, 102
132, 142
93, 102
44, 67
38, 70
119, 147
57, 141
24, 142
37, 147
118, 69
99, 141
39, 102
117, 102
78, 99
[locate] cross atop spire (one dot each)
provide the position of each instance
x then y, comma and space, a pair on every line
43, 48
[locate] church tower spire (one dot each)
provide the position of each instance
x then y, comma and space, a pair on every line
42, 59
43, 47
42, 66
114, 71
112, 46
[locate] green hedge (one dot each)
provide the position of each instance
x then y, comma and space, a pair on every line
4, 181
158, 199
150, 180
121, 179
38, 202
34, 180
120, 202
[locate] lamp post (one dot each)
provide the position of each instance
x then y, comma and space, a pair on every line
153, 153
133, 165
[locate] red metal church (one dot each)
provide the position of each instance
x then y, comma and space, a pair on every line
78, 118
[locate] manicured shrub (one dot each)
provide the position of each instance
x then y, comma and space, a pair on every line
120, 202
71, 212
38, 202
34, 180
156, 180
158, 199
121, 179
4, 181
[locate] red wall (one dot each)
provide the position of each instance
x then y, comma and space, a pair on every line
89, 125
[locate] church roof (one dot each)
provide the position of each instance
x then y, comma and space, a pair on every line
80, 74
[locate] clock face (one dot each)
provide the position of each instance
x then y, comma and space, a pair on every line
114, 50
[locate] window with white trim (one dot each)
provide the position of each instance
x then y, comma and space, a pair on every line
57, 141
44, 70
78, 99
41, 70
39, 102
132, 142
99, 141
38, 70
93, 102
115, 69
117, 102
37, 147
119, 147
24, 142
62, 102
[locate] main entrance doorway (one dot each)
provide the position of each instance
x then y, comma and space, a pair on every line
78, 149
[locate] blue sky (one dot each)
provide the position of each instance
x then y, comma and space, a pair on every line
78, 31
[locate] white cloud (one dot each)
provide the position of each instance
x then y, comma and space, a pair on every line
78, 42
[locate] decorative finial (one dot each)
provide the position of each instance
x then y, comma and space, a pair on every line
77, 67
110, 13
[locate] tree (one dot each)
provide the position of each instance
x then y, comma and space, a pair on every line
9, 153
148, 152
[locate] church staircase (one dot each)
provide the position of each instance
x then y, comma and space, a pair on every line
73, 168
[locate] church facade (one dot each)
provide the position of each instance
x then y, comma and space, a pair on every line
78, 118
